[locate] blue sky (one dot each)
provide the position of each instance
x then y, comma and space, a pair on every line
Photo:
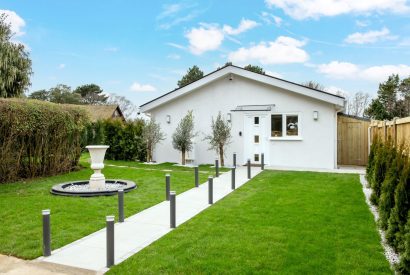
141, 49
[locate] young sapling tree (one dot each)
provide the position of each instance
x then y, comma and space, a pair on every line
220, 136
183, 135
152, 135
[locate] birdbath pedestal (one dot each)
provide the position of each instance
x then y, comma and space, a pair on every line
97, 152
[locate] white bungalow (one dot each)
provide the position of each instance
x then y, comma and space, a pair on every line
294, 126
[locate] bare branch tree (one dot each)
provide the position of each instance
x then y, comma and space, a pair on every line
358, 103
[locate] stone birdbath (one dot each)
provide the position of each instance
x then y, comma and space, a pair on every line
97, 185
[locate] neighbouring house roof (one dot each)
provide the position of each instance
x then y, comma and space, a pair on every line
235, 70
98, 112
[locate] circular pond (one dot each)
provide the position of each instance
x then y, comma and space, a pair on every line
82, 188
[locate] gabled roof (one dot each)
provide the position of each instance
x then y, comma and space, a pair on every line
98, 112
235, 70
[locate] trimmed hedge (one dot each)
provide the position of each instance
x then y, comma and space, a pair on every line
388, 173
38, 138
124, 138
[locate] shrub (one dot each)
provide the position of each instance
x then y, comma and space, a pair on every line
398, 217
38, 138
124, 138
389, 184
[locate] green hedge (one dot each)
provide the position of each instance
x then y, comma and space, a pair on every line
38, 138
388, 173
124, 138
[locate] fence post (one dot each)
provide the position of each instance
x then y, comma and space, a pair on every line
46, 233
234, 159
210, 190
167, 186
216, 168
385, 130
121, 205
262, 161
395, 130
196, 170
233, 178
172, 209
110, 240
248, 164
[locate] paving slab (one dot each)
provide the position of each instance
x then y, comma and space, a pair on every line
142, 229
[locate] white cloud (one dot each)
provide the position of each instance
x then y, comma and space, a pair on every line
208, 37
137, 87
111, 49
16, 22
298, 9
175, 45
380, 73
244, 26
362, 23
336, 69
174, 56
346, 70
205, 38
369, 37
281, 51
270, 19
169, 10
61, 66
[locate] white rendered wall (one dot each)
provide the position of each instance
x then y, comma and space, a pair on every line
315, 150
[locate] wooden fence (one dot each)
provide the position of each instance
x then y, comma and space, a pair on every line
352, 140
397, 129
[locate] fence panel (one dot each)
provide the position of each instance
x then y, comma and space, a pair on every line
352, 140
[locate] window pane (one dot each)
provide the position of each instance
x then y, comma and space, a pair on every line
291, 125
256, 157
256, 120
256, 139
276, 126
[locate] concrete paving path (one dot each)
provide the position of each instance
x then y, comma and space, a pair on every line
142, 229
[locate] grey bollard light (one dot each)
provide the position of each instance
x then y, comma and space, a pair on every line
196, 170
233, 178
210, 190
121, 205
234, 159
46, 233
248, 164
167, 186
110, 240
216, 168
262, 161
172, 197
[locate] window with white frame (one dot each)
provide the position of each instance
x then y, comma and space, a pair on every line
285, 125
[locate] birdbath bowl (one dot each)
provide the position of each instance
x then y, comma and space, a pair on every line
97, 153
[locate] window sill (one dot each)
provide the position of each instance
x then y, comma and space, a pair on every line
286, 138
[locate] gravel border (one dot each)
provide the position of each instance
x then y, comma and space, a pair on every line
391, 255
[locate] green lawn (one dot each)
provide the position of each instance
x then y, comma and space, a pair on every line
73, 217
280, 222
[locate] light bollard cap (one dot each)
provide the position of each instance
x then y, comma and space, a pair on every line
120, 190
45, 212
167, 175
110, 218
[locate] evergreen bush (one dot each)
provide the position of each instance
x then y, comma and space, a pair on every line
38, 138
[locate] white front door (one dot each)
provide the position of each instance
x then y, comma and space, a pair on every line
256, 138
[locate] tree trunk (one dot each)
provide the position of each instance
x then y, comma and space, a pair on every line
149, 153
183, 157
221, 156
